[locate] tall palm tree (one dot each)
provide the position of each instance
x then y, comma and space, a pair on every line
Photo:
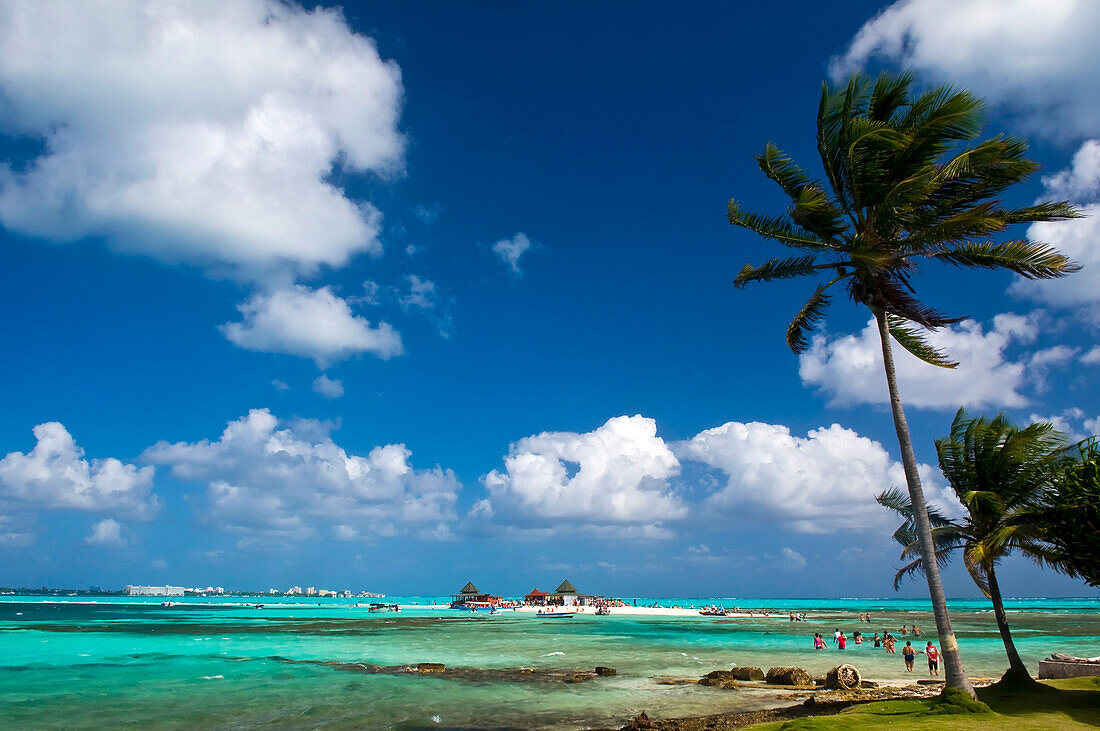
907, 179
1001, 475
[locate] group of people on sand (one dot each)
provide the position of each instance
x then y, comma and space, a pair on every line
887, 641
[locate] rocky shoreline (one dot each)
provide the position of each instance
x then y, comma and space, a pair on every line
812, 701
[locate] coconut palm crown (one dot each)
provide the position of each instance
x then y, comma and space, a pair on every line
906, 179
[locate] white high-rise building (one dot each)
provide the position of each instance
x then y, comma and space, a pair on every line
139, 590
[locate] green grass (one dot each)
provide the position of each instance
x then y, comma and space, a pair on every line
1048, 706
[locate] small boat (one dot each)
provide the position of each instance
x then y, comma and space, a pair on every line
380, 607
555, 614
168, 604
713, 612
474, 606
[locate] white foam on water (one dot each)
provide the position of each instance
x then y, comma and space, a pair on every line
437, 719
551, 654
212, 677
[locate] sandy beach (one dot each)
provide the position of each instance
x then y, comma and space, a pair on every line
625, 611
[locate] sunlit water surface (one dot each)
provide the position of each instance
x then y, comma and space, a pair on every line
72, 663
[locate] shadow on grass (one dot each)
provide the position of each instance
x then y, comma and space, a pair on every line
1078, 698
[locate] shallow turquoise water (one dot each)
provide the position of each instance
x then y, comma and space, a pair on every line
222, 663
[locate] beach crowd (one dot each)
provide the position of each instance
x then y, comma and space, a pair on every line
887, 642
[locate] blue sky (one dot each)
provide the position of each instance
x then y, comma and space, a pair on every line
418, 293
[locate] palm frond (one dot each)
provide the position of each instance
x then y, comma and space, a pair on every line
1029, 259
778, 166
917, 343
778, 268
892, 294
808, 317
916, 567
977, 571
814, 210
776, 228
1052, 211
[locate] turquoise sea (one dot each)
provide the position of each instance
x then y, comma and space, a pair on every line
77, 663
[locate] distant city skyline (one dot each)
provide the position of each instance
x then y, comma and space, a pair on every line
403, 294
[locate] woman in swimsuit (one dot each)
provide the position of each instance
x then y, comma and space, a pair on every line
819, 642
909, 654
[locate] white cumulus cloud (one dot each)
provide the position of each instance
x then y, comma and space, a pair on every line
311, 323
616, 476
330, 388
1038, 62
1076, 238
197, 131
821, 483
1038, 59
272, 479
849, 370
107, 533
55, 475
510, 251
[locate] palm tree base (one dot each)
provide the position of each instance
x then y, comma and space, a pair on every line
1015, 678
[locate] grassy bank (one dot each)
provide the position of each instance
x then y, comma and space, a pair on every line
1051, 705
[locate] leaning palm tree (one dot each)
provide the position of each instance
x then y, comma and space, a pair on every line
906, 179
1001, 474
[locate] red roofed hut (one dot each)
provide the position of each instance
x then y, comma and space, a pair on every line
536, 598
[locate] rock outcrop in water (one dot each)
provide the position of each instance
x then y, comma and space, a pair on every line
429, 667
639, 722
439, 670
788, 676
719, 679
747, 673
605, 671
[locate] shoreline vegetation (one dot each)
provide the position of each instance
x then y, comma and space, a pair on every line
1070, 703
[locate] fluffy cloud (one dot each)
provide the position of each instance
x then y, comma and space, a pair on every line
330, 388
1077, 238
199, 131
1064, 422
311, 323
267, 479
820, 483
616, 477
421, 294
55, 475
1037, 58
107, 533
849, 368
1092, 357
510, 251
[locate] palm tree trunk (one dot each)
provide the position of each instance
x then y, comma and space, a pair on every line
1015, 664
952, 659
